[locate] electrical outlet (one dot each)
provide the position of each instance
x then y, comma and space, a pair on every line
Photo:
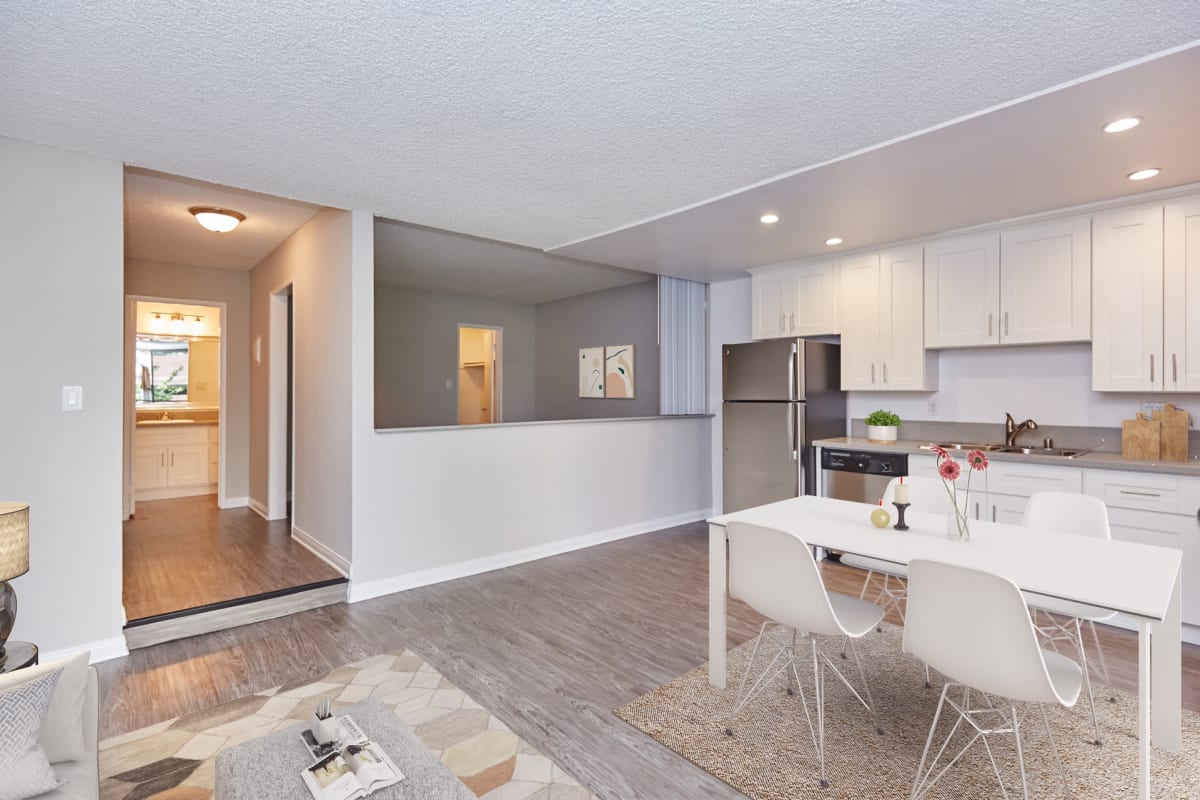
933, 408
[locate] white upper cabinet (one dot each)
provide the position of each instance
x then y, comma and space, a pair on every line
882, 323
795, 301
1127, 300
1181, 270
962, 291
1046, 283
1023, 286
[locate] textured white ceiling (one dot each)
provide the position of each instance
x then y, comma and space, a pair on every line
533, 122
1039, 155
438, 261
158, 226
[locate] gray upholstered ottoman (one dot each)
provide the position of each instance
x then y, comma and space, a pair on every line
268, 768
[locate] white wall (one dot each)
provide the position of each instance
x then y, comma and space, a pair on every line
315, 260
429, 505
61, 323
232, 287
1050, 383
728, 323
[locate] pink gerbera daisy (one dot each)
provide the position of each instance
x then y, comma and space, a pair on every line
949, 469
939, 451
978, 460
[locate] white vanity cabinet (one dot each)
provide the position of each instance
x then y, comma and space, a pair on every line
175, 461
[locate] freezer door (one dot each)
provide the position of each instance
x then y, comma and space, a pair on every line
766, 370
762, 460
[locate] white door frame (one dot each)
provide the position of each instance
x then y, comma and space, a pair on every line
497, 369
128, 502
280, 372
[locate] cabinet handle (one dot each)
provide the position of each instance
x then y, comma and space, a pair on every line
872, 373
1175, 367
885, 377
1152, 367
162, 459
977, 511
1006, 323
1140, 494
989, 323
172, 458
993, 513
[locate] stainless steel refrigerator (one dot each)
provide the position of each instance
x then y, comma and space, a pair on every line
780, 395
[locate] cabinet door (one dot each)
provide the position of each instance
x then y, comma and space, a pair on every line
149, 467
187, 464
860, 323
1045, 283
1127, 300
1181, 323
1005, 508
814, 296
903, 357
772, 304
962, 291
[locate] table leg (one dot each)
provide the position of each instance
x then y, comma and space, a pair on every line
1166, 682
1143, 725
717, 567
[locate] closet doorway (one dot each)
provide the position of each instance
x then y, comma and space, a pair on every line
479, 374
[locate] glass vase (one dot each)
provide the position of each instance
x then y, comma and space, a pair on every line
958, 526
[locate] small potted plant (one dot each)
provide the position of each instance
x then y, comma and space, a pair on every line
882, 426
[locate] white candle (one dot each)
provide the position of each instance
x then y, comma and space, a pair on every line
901, 494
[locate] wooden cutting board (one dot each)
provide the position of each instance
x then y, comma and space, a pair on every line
1173, 436
1141, 438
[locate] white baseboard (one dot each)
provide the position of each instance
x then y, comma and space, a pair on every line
102, 650
365, 590
258, 508
321, 551
234, 502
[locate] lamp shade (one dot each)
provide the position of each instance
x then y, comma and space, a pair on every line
14, 540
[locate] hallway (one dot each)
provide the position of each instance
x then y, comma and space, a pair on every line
185, 553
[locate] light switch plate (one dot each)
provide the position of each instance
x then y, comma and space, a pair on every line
72, 398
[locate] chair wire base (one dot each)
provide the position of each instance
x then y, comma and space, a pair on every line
1051, 631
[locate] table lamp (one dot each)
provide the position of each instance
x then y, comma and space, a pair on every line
14, 562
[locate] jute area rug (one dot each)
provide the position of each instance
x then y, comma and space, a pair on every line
771, 755
175, 759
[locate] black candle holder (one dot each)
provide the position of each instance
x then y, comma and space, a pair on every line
900, 523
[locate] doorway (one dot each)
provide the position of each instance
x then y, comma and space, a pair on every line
479, 374
281, 401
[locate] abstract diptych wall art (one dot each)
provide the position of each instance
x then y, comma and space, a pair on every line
591, 372
606, 371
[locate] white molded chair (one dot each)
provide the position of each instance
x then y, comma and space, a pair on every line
774, 573
924, 494
974, 627
1081, 515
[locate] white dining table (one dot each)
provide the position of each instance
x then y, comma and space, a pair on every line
1138, 580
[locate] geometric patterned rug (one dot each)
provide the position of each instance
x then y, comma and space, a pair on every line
771, 755
175, 759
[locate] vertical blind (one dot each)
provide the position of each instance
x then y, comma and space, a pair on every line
682, 318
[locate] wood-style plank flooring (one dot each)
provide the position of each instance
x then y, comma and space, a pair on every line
551, 647
185, 553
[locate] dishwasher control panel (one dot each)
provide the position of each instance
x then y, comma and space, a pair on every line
865, 463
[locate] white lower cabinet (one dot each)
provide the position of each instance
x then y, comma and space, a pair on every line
174, 461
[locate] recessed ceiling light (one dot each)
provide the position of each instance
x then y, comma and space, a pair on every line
833, 240
1123, 124
769, 219
217, 220
1143, 174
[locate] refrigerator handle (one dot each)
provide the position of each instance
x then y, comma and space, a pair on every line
792, 374
794, 431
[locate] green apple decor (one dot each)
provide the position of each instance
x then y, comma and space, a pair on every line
882, 426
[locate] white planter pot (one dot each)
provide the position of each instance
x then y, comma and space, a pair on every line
882, 433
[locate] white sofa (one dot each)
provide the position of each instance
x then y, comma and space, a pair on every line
83, 777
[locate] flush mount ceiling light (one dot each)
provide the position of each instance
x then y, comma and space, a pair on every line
1123, 124
217, 220
831, 241
1143, 174
769, 219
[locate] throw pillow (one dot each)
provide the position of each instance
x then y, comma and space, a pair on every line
62, 733
24, 770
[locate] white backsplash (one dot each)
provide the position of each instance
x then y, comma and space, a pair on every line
1050, 383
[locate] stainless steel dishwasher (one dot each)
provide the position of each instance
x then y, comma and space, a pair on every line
859, 475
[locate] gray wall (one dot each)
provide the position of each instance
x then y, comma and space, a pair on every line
416, 352
231, 287
625, 315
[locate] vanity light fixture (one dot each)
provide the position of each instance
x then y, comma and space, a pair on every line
833, 240
769, 219
1123, 124
1143, 174
217, 220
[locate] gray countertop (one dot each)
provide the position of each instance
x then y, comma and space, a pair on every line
1093, 460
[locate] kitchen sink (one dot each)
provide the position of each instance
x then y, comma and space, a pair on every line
962, 446
1043, 451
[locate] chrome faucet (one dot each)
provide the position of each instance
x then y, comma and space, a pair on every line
1012, 429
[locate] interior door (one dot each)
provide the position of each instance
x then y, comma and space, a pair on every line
761, 458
